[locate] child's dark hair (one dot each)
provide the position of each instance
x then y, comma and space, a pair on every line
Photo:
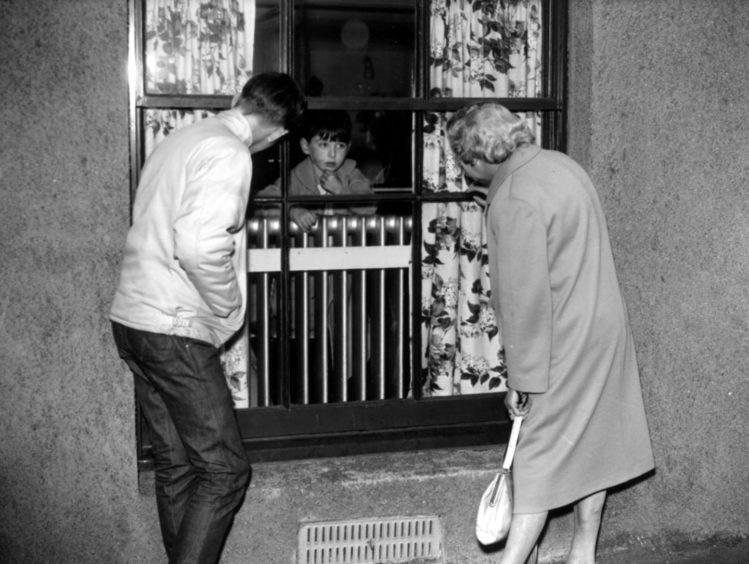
274, 96
328, 125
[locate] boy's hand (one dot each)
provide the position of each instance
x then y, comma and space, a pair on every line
330, 182
305, 219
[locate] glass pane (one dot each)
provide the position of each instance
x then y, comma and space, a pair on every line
198, 46
382, 145
355, 47
491, 50
442, 173
267, 36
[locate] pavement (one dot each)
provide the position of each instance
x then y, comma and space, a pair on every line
723, 551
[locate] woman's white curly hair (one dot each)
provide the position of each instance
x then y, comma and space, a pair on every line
488, 131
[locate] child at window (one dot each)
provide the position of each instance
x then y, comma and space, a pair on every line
326, 140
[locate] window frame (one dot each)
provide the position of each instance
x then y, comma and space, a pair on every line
305, 431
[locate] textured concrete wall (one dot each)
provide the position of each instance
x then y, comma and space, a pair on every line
659, 117
68, 480
658, 97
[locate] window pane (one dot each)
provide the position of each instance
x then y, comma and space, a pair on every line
490, 50
198, 47
355, 47
267, 36
382, 145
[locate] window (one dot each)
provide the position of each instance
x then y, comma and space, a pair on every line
372, 330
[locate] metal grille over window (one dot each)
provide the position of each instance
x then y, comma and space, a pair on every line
349, 309
368, 541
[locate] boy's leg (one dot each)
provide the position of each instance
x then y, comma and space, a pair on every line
172, 469
587, 525
203, 414
187, 377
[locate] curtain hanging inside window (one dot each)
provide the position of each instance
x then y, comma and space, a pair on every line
485, 48
460, 334
478, 49
198, 46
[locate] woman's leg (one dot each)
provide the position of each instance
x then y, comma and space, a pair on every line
524, 532
587, 524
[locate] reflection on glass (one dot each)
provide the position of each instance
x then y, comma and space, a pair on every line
491, 50
198, 46
442, 171
355, 47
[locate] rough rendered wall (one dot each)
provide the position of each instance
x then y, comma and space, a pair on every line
659, 117
68, 490
659, 98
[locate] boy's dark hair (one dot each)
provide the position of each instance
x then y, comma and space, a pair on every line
329, 125
274, 96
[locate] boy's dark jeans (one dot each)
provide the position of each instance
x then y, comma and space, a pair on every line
201, 468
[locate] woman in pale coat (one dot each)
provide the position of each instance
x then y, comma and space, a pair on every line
572, 371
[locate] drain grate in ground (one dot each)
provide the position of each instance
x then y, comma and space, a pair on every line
387, 540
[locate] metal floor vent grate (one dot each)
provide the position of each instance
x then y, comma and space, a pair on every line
388, 540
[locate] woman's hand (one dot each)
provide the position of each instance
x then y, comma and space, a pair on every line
518, 404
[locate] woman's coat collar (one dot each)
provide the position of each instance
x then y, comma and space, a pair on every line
520, 157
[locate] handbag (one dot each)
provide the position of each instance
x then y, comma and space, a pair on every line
495, 508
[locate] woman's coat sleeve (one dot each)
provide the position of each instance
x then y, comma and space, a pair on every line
523, 293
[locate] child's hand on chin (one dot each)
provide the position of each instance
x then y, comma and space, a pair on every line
330, 182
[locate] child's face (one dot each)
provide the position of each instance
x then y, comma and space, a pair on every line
324, 153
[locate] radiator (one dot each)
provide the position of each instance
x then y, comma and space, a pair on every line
348, 309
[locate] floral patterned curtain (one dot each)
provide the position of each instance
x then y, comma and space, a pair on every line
198, 46
479, 48
460, 332
485, 48
463, 350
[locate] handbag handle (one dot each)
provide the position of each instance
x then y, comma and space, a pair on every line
509, 455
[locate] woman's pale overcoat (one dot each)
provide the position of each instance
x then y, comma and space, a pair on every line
565, 331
